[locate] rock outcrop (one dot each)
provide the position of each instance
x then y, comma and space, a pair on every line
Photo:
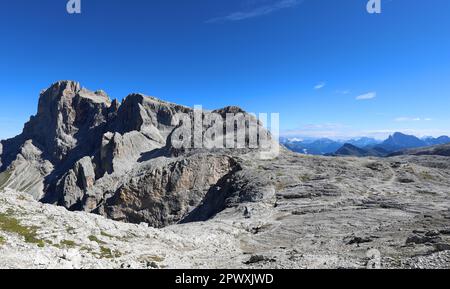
85, 152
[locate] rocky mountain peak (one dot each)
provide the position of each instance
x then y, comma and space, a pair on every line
62, 94
229, 109
399, 141
67, 114
84, 152
61, 88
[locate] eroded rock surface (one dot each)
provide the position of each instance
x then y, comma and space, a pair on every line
216, 208
85, 152
292, 212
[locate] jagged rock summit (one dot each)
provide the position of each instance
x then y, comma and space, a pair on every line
85, 152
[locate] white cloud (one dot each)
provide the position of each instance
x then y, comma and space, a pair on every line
320, 86
367, 96
257, 12
405, 119
410, 119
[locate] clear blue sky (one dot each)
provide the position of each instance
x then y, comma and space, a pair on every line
308, 60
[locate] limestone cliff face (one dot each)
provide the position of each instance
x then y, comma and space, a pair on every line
67, 115
85, 152
65, 128
164, 195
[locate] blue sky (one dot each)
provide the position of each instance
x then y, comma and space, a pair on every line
327, 66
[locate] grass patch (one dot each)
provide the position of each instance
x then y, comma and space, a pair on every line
11, 225
86, 249
2, 240
104, 234
157, 259
68, 243
95, 239
106, 253
71, 230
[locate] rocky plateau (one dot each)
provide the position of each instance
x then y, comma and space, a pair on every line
94, 183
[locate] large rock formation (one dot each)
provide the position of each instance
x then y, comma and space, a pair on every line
85, 152
122, 161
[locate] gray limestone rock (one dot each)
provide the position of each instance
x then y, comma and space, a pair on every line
85, 152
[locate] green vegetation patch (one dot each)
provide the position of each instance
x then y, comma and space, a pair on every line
155, 258
104, 234
71, 230
11, 225
68, 243
107, 253
86, 249
95, 239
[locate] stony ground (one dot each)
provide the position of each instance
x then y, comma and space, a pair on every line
325, 213
34, 235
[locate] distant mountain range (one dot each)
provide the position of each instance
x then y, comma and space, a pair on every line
352, 150
437, 150
363, 146
399, 141
324, 146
